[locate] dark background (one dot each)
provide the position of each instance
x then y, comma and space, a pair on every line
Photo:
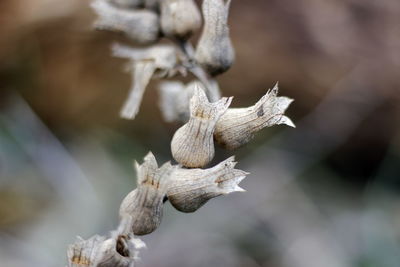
323, 194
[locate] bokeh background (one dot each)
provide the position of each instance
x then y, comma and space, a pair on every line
326, 194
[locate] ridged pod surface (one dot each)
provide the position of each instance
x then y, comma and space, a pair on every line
99, 251
238, 125
142, 208
140, 25
214, 51
192, 145
190, 189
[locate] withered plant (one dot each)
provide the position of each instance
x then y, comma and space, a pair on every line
204, 114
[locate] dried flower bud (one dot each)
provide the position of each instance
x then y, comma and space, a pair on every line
141, 26
128, 3
192, 145
141, 210
119, 251
157, 60
165, 57
214, 51
179, 18
238, 125
174, 100
190, 189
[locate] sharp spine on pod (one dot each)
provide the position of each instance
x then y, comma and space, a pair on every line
141, 25
118, 250
141, 210
238, 125
179, 18
190, 189
214, 51
192, 145
158, 60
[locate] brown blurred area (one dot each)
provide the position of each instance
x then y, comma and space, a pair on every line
323, 194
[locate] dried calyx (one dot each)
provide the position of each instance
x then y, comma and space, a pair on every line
192, 188
214, 51
192, 145
186, 186
117, 250
158, 60
174, 100
186, 189
141, 25
179, 18
141, 210
238, 125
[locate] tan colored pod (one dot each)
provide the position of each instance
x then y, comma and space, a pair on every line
158, 60
192, 145
238, 125
190, 189
141, 210
141, 26
164, 57
116, 251
174, 100
179, 18
214, 51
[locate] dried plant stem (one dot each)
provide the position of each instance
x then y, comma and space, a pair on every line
211, 85
186, 186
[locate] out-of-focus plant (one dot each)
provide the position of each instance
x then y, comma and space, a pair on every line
206, 116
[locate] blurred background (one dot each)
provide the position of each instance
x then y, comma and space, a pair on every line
324, 194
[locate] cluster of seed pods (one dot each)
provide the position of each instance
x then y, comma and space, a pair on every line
176, 20
205, 116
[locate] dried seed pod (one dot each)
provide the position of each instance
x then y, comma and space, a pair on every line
158, 60
97, 251
165, 57
174, 100
179, 18
141, 26
141, 210
214, 51
128, 3
192, 145
238, 125
189, 189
